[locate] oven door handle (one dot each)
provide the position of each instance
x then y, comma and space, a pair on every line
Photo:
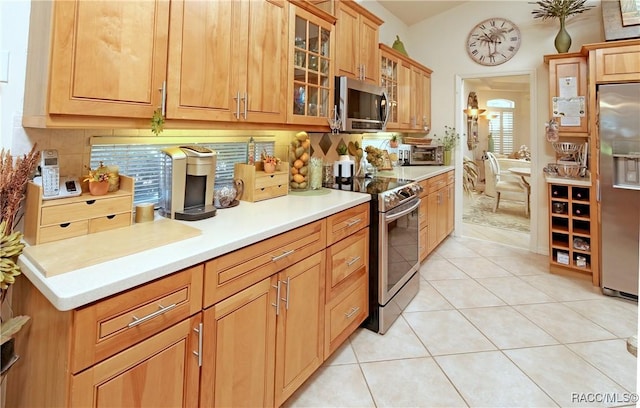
395, 216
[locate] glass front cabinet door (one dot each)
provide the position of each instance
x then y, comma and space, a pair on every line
389, 81
311, 71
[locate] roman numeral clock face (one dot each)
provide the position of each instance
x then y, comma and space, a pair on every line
493, 41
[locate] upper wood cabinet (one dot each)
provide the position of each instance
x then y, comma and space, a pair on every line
408, 84
568, 91
95, 59
357, 33
619, 63
310, 84
226, 60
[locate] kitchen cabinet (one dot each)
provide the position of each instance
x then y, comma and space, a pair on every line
408, 85
357, 35
436, 213
389, 80
123, 380
95, 60
571, 226
101, 354
310, 84
615, 62
228, 64
568, 79
347, 284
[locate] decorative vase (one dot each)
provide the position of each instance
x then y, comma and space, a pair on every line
447, 157
98, 188
563, 39
393, 144
269, 167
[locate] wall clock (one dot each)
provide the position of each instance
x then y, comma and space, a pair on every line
493, 41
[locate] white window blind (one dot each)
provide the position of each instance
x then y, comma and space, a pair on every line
501, 124
144, 163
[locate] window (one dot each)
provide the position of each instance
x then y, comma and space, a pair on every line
501, 115
143, 162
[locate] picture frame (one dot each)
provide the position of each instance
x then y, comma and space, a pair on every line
612, 19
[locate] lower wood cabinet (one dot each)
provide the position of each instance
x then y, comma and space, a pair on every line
262, 343
245, 329
436, 212
160, 371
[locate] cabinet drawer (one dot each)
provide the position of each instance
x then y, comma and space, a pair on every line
346, 259
83, 210
436, 183
116, 323
425, 187
109, 222
63, 231
345, 313
269, 180
270, 192
347, 222
450, 177
230, 273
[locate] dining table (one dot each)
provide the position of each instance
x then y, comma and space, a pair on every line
524, 173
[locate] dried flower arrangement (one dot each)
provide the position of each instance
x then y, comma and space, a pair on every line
375, 156
100, 174
267, 158
14, 175
559, 8
450, 138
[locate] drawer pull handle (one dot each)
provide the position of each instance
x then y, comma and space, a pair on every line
353, 222
65, 225
352, 312
110, 217
199, 352
354, 260
89, 202
282, 255
286, 298
136, 321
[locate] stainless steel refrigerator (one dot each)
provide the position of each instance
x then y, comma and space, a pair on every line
619, 187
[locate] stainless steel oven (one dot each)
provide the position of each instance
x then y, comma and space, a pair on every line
397, 263
394, 246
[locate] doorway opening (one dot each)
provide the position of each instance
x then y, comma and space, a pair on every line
503, 140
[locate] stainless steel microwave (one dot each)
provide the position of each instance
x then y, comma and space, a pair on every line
421, 155
362, 107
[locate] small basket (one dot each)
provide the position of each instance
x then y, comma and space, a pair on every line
416, 140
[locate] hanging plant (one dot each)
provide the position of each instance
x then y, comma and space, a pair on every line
157, 122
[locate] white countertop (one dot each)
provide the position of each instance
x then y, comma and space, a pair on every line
230, 229
582, 182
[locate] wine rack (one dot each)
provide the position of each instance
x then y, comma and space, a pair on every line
570, 227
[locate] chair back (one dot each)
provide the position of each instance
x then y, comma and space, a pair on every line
495, 167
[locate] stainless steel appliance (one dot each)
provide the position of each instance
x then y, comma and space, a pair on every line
393, 253
187, 180
619, 187
362, 107
421, 155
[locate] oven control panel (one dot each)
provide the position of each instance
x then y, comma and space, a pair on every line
400, 195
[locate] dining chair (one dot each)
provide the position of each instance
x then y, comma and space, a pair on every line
505, 185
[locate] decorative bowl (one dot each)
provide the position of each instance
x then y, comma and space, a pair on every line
568, 170
567, 147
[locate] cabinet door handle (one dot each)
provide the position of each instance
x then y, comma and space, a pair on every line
199, 352
277, 304
286, 298
353, 222
353, 260
352, 312
282, 255
237, 99
136, 321
163, 102
246, 102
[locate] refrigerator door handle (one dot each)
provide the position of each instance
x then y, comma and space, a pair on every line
597, 190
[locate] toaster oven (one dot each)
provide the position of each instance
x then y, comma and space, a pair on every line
421, 155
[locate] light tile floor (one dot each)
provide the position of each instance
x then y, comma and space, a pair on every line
491, 327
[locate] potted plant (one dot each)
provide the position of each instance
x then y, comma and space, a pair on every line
99, 180
342, 151
448, 142
560, 9
14, 175
269, 162
393, 142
